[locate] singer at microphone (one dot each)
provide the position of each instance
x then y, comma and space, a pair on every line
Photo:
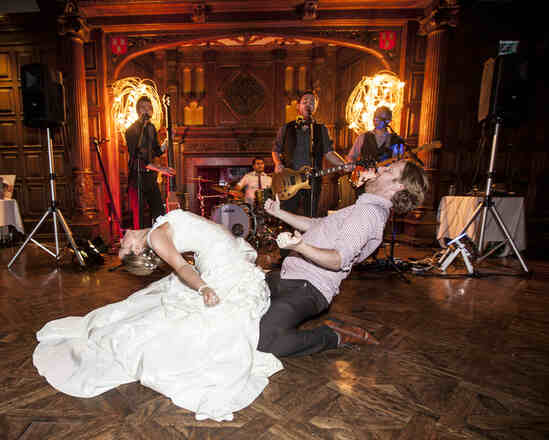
143, 148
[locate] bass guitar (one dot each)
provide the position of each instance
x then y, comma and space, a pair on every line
288, 182
172, 202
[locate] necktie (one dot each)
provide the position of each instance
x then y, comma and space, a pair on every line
259, 181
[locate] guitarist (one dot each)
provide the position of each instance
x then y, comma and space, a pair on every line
378, 144
293, 148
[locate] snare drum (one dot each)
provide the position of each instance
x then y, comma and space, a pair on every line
235, 218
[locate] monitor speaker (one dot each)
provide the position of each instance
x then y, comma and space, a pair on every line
43, 97
503, 90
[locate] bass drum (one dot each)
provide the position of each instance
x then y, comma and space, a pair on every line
235, 218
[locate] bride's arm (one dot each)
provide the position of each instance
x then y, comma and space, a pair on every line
161, 241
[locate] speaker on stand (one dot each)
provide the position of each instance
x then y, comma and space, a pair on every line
43, 107
503, 99
503, 89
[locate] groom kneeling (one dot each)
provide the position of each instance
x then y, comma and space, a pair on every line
323, 256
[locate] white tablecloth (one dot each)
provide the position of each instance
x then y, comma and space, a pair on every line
10, 215
455, 211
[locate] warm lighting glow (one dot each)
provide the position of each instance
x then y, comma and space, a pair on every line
127, 92
370, 93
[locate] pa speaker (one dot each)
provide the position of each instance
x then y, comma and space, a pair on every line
503, 90
43, 100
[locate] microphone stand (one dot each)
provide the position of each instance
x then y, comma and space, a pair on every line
113, 213
390, 260
314, 180
145, 119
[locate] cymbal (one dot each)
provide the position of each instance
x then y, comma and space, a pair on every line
199, 179
226, 190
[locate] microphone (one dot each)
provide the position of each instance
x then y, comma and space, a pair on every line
145, 117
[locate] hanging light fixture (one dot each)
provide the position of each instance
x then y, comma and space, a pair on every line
127, 92
383, 89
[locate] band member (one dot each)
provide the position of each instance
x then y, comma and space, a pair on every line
142, 141
323, 256
293, 148
254, 180
378, 144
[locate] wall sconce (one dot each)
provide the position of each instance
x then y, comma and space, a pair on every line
295, 82
370, 93
193, 84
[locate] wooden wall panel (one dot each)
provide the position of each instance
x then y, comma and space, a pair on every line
36, 199
34, 163
8, 133
92, 92
413, 103
7, 101
31, 136
5, 66
9, 160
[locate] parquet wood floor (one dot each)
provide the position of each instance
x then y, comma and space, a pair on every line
460, 358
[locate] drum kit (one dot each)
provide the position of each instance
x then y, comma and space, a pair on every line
249, 221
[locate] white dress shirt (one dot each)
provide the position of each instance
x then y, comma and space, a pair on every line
250, 181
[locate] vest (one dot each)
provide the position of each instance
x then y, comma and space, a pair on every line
290, 141
370, 150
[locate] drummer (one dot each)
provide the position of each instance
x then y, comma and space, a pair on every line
254, 181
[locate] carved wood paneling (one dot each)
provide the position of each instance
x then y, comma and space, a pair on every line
35, 198
33, 163
92, 93
60, 165
9, 161
7, 101
5, 66
8, 133
90, 55
415, 90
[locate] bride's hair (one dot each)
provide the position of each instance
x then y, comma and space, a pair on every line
143, 264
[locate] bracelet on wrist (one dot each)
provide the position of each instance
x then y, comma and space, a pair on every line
204, 286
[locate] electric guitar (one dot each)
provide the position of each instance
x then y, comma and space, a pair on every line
172, 202
288, 182
355, 176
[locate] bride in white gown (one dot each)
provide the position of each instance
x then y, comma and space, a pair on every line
198, 349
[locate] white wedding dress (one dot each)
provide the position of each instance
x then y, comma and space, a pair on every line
204, 359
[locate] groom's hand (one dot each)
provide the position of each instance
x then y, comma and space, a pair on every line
272, 207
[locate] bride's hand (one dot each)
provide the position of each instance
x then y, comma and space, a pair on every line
210, 297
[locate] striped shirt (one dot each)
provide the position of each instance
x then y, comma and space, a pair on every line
355, 232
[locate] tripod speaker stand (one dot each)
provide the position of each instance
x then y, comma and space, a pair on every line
486, 205
57, 216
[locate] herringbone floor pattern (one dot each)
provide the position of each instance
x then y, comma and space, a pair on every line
463, 358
